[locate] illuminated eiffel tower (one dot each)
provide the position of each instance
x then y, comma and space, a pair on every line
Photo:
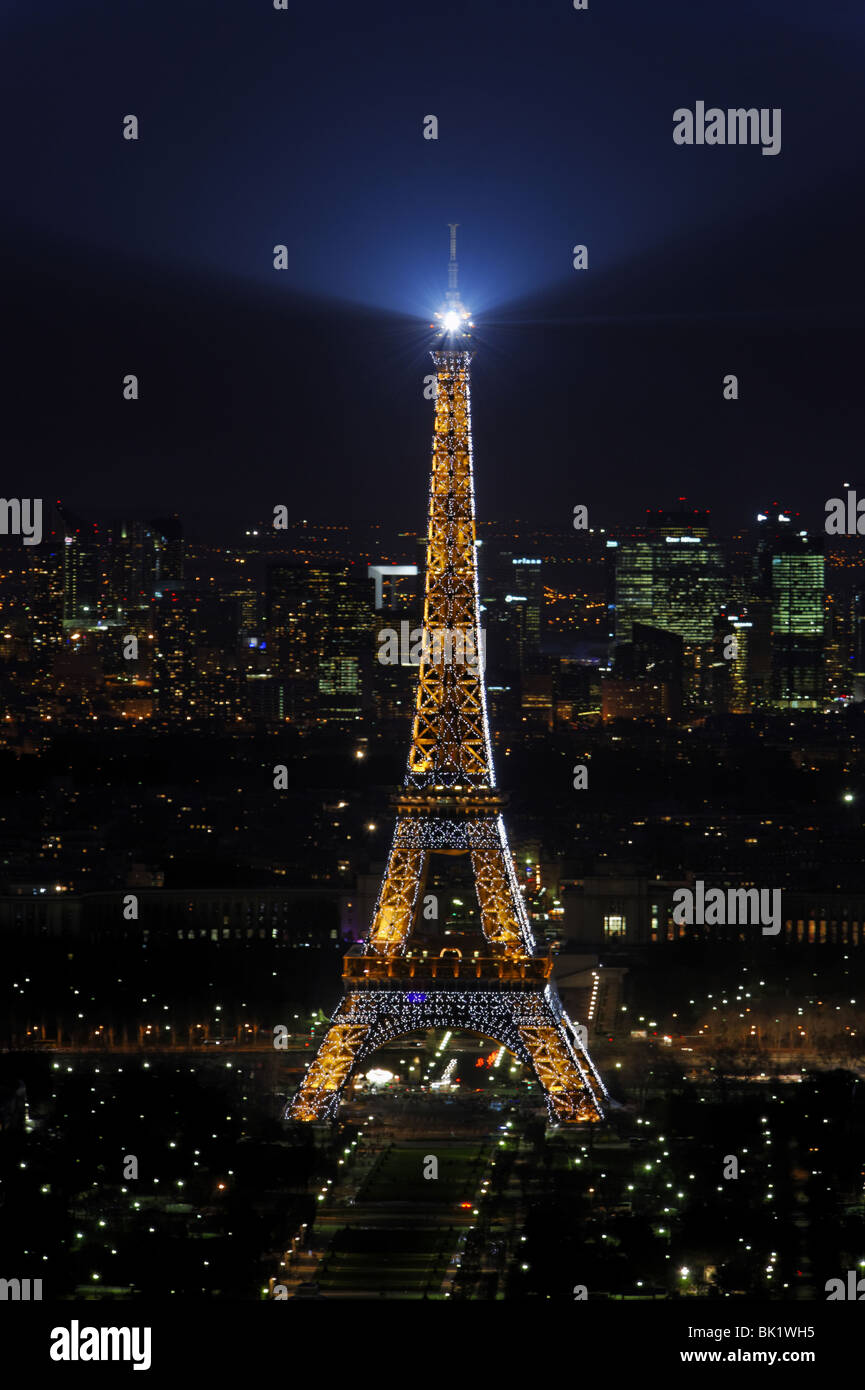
450, 806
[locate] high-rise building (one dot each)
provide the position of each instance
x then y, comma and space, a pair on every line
670, 575
526, 599
196, 670
42, 611
398, 609
142, 558
82, 571
790, 571
511, 603
173, 671
840, 632
320, 631
165, 550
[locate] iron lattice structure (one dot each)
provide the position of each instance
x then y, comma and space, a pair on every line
449, 805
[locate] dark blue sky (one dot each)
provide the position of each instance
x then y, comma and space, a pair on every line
305, 128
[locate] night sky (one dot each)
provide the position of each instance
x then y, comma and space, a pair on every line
304, 127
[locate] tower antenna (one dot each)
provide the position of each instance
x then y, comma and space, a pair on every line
454, 319
453, 268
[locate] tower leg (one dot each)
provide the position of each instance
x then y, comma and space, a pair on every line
560, 1062
319, 1094
400, 891
503, 917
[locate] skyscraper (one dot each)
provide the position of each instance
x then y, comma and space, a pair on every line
670, 575
512, 599
81, 570
320, 630
790, 571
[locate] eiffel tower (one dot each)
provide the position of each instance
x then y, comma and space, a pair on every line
395, 981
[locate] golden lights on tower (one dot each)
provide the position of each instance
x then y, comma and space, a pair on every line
449, 805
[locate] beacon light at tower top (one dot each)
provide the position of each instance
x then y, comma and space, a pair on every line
454, 320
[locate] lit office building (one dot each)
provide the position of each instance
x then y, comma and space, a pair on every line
790, 569
511, 600
670, 575
320, 633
